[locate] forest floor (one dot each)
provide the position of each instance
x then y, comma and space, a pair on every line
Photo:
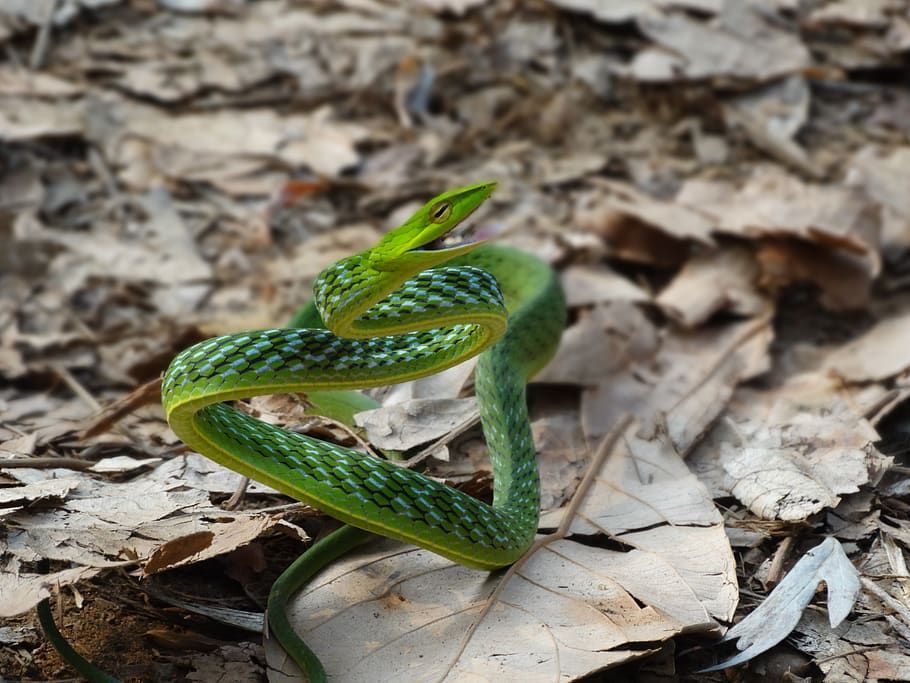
724, 190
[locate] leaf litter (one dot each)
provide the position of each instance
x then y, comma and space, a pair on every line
721, 188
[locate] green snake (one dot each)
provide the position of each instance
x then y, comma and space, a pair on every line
408, 307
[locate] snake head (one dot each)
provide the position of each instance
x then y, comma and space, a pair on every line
419, 242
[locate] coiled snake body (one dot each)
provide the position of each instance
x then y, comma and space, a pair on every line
398, 311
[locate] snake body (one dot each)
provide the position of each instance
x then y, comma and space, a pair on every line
398, 311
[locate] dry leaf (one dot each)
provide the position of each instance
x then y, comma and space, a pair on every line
585, 285
602, 342
23, 118
570, 610
21, 591
845, 280
773, 620
615, 12
630, 220
877, 354
771, 117
684, 386
710, 282
742, 42
102, 524
562, 454
223, 535
402, 426
797, 448
857, 651
884, 174
773, 203
236, 663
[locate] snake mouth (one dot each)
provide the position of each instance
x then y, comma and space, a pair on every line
450, 241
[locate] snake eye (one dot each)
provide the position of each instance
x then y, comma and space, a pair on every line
440, 212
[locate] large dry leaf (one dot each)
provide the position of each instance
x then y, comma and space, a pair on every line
585, 285
684, 385
396, 612
22, 82
602, 341
622, 11
457, 7
562, 454
790, 451
225, 148
26, 118
601, 213
236, 663
616, 12
403, 426
773, 203
166, 255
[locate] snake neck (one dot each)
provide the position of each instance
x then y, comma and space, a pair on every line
349, 287
537, 315
500, 390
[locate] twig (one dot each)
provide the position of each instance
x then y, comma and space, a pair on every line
327, 421
238, 494
780, 556
442, 441
148, 392
41, 463
80, 391
899, 608
76, 386
43, 39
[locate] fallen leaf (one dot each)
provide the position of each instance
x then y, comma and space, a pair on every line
238, 663
26, 83
22, 590
585, 285
797, 448
714, 281
224, 534
772, 203
771, 117
853, 651
456, 7
571, 609
402, 426
563, 456
776, 617
877, 354
39, 490
741, 42
884, 173
845, 281
684, 386
641, 228
29, 118
601, 343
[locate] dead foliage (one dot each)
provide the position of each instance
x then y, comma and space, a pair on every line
724, 189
